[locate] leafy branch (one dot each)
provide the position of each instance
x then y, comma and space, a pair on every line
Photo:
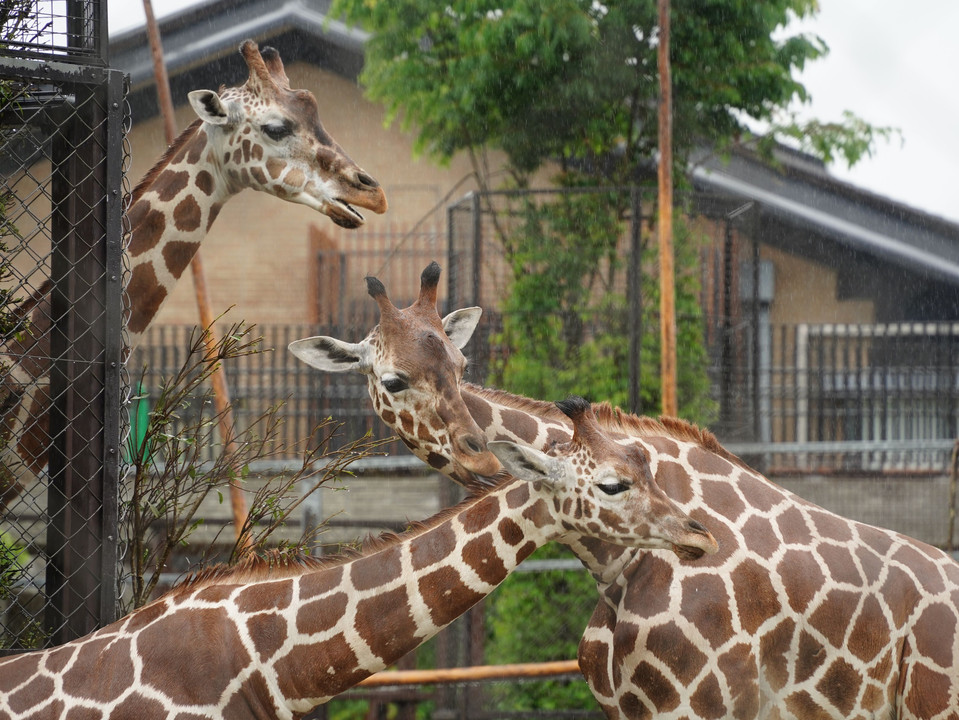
172, 477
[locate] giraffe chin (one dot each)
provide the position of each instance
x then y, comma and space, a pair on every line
688, 552
704, 545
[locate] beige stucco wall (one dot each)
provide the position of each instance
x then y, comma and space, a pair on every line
806, 292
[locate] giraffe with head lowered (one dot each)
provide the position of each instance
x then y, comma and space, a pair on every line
261, 135
276, 639
802, 613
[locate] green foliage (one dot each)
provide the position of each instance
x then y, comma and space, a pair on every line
565, 79
14, 560
851, 139
565, 319
563, 261
561, 601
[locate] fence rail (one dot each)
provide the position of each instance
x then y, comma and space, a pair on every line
875, 398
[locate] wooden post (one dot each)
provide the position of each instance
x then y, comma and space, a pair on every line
667, 294
221, 392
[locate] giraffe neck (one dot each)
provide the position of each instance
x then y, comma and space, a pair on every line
171, 213
504, 416
285, 639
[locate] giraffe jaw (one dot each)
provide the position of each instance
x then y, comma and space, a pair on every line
344, 214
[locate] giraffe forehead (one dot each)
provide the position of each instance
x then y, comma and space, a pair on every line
299, 107
420, 353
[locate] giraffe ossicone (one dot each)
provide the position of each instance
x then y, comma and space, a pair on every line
276, 639
801, 613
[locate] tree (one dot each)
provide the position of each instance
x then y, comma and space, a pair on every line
574, 82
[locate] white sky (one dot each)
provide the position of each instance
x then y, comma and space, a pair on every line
891, 62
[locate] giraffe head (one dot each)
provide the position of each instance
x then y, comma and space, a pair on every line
269, 137
414, 366
605, 490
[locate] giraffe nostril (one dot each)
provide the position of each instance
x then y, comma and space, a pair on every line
367, 180
697, 526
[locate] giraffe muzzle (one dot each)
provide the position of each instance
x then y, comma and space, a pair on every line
696, 541
473, 454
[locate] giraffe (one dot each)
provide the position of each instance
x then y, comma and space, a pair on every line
261, 135
276, 639
428, 375
802, 613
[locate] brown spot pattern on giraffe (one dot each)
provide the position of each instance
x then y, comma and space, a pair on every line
177, 256
522, 425
480, 554
147, 225
143, 283
425, 551
321, 615
268, 631
187, 214
377, 570
204, 182
317, 584
774, 648
442, 590
935, 632
173, 666
170, 183
756, 599
391, 608
707, 700
266, 596
114, 670
658, 687
275, 167
294, 178
738, 666
930, 693
670, 645
705, 602
840, 685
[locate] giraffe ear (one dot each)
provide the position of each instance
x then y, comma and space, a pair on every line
208, 105
460, 324
332, 355
527, 463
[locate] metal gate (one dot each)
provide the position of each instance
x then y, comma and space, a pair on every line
62, 129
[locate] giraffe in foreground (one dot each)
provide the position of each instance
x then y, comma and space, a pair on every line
261, 135
802, 613
274, 640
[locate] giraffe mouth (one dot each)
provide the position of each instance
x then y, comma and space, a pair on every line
345, 215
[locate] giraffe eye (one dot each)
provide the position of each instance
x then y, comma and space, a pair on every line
394, 384
276, 131
613, 488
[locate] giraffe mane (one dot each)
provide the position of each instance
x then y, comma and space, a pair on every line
277, 565
615, 419
147, 180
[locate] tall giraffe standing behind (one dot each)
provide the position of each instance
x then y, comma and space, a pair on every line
261, 135
802, 613
274, 640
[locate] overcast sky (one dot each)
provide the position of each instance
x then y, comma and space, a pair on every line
891, 62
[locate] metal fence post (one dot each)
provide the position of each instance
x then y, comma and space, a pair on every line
634, 284
85, 375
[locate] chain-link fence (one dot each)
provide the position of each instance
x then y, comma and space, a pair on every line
62, 129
